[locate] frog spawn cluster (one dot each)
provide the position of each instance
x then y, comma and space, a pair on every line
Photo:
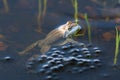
69, 58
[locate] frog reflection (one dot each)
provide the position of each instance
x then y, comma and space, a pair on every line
61, 33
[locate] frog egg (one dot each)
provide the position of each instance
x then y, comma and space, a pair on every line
97, 51
49, 77
64, 47
84, 49
55, 69
61, 66
86, 52
44, 57
49, 58
75, 69
96, 61
28, 67
53, 49
92, 67
45, 66
89, 45
80, 70
95, 48
54, 54
74, 50
7, 58
80, 63
87, 55
41, 71
74, 54
81, 44
58, 62
79, 56
51, 62
30, 63
48, 72
62, 53
57, 51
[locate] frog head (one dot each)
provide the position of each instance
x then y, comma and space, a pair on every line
74, 29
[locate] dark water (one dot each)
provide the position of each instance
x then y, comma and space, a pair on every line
18, 30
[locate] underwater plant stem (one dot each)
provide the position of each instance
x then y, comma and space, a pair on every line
41, 13
117, 46
89, 28
39, 17
75, 5
76, 11
6, 6
45, 6
39, 7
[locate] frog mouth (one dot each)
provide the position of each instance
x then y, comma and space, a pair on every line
72, 31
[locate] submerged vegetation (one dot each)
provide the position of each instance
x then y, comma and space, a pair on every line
42, 5
6, 6
75, 5
117, 46
79, 32
89, 28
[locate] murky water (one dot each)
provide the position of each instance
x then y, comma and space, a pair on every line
19, 28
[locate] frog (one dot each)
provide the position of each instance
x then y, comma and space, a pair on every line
62, 32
